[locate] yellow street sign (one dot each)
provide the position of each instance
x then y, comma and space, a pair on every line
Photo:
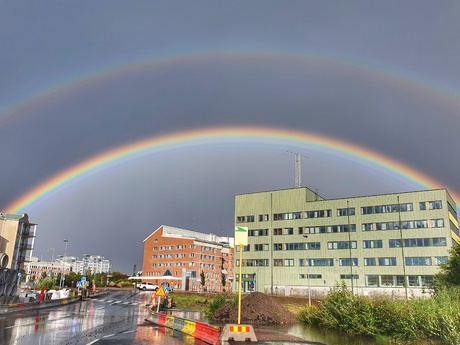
160, 292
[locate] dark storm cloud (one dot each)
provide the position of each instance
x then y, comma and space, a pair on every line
365, 86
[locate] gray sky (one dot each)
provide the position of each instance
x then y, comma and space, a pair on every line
81, 78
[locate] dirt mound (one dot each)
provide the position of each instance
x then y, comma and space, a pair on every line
256, 309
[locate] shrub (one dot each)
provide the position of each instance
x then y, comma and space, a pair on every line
215, 303
436, 318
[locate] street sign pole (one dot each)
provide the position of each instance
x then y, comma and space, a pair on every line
239, 284
241, 239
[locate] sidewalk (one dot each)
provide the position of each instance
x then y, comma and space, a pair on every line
13, 308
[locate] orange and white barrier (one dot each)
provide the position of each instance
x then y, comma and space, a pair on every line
238, 333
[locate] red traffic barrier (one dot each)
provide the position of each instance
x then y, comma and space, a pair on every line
207, 333
161, 320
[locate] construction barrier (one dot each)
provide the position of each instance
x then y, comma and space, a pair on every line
207, 333
238, 333
196, 329
161, 319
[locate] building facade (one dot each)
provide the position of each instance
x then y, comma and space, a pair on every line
185, 254
88, 265
301, 244
17, 236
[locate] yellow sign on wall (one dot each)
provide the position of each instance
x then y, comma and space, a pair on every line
241, 236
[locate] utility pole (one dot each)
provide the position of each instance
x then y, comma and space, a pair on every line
297, 168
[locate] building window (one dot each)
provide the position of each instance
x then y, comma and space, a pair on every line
438, 260
314, 246
372, 244
341, 245
277, 231
294, 246
278, 262
277, 246
347, 262
369, 262
289, 231
288, 262
263, 217
437, 223
387, 208
310, 276
258, 232
418, 261
418, 242
245, 248
368, 226
258, 247
287, 216
318, 214
330, 229
435, 205
387, 261
345, 212
372, 280
316, 262
347, 276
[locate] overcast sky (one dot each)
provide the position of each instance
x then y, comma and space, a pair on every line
84, 77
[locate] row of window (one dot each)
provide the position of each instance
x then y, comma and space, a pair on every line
391, 208
181, 255
397, 281
184, 246
349, 211
324, 229
409, 224
419, 242
380, 261
392, 243
183, 264
327, 229
382, 280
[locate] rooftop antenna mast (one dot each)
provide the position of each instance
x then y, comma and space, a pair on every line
298, 168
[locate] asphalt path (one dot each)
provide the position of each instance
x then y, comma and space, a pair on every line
114, 318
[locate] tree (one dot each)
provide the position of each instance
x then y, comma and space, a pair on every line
449, 273
203, 280
223, 280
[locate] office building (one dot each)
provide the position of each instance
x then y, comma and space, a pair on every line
302, 244
183, 254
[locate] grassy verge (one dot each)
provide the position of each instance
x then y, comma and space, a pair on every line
434, 319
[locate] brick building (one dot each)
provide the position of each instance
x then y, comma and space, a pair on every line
185, 254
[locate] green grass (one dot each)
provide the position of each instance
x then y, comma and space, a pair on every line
435, 319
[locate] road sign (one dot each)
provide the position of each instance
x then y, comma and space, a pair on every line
79, 284
241, 236
83, 279
160, 292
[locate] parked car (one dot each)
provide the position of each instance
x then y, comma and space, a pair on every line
147, 286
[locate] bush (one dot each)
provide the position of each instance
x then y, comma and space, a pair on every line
215, 303
436, 318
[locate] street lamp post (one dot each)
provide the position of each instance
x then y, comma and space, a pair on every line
52, 262
308, 270
62, 283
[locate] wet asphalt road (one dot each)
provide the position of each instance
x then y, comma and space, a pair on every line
115, 318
